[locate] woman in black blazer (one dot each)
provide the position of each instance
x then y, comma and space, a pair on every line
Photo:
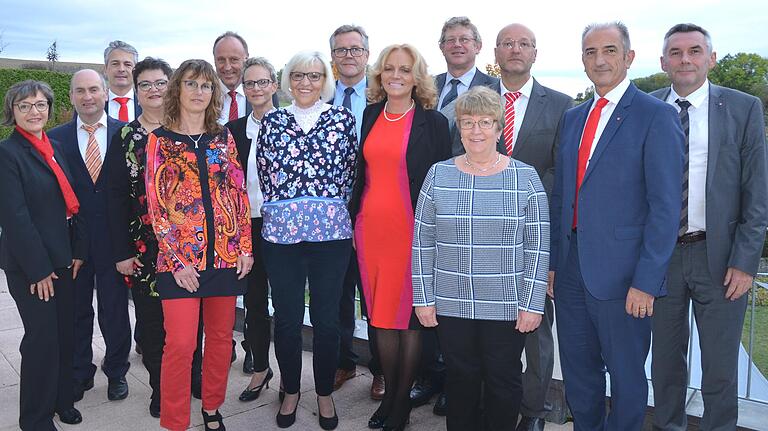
41, 249
402, 136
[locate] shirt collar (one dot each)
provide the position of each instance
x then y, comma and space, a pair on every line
102, 121
697, 98
525, 90
465, 79
129, 95
238, 89
359, 87
615, 95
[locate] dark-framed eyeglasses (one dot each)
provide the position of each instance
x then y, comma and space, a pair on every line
261, 83
159, 85
193, 85
484, 123
354, 52
312, 76
25, 107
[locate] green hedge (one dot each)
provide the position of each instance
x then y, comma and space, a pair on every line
59, 82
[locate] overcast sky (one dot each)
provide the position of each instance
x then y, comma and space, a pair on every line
177, 30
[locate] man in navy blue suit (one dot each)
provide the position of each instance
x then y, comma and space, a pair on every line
615, 216
84, 142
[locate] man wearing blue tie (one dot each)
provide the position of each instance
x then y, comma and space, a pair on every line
615, 216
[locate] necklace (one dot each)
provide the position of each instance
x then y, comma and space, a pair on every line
401, 115
479, 169
195, 140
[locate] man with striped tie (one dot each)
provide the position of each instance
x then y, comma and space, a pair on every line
531, 118
722, 228
84, 142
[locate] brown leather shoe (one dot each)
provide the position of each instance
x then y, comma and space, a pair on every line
342, 376
378, 388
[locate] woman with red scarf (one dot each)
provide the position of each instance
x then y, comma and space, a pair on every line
41, 249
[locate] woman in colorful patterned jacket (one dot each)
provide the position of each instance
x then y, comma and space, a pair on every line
306, 159
197, 200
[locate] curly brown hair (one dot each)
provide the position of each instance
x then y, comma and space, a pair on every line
195, 68
424, 91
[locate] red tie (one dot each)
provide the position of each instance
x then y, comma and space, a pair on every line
122, 115
509, 121
233, 106
585, 148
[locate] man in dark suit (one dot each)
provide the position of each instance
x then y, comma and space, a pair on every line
725, 213
119, 60
349, 53
532, 118
230, 51
84, 142
615, 216
460, 42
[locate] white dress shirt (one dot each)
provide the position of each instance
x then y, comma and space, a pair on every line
463, 86
698, 152
521, 104
613, 96
100, 134
241, 101
255, 195
114, 107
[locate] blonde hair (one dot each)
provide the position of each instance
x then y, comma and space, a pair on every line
196, 69
424, 91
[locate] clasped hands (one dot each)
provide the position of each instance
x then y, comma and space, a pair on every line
526, 321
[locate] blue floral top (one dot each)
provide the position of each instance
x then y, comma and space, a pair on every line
307, 177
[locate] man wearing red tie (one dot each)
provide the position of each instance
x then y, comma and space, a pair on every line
229, 54
119, 59
615, 215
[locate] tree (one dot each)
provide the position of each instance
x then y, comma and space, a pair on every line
3, 45
652, 82
587, 94
744, 72
53, 55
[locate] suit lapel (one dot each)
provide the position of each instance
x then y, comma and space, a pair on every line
417, 130
71, 147
716, 124
16, 136
532, 113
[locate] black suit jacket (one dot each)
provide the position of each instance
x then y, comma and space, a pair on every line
93, 197
36, 237
429, 142
242, 142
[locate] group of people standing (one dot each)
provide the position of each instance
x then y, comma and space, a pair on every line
459, 206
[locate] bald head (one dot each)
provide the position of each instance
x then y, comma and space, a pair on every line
515, 54
88, 94
515, 29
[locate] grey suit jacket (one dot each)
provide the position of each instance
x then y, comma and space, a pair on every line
537, 140
449, 111
737, 181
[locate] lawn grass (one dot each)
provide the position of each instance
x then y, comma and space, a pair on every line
760, 341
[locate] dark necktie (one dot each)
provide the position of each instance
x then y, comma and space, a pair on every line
452, 93
685, 122
347, 102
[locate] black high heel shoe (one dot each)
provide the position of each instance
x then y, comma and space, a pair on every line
284, 421
327, 423
216, 417
377, 420
400, 426
253, 393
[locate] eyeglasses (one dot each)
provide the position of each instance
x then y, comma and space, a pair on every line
522, 44
485, 123
342, 52
159, 85
24, 107
191, 85
299, 76
262, 83
461, 41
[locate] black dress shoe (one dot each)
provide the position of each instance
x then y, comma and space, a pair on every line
80, 387
441, 405
421, 392
285, 421
327, 423
253, 393
216, 417
70, 416
117, 389
154, 407
377, 420
528, 423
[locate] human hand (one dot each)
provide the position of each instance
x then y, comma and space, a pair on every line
738, 283
44, 287
639, 304
551, 285
187, 279
244, 265
527, 321
427, 316
128, 266
76, 264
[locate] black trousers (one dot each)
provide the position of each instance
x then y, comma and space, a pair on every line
46, 350
347, 357
482, 355
257, 320
149, 321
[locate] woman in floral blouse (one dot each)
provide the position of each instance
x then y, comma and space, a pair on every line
198, 204
306, 158
134, 242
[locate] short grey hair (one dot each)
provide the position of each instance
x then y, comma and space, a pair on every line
481, 100
618, 25
122, 46
304, 59
687, 28
263, 62
233, 35
349, 28
460, 21
22, 90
